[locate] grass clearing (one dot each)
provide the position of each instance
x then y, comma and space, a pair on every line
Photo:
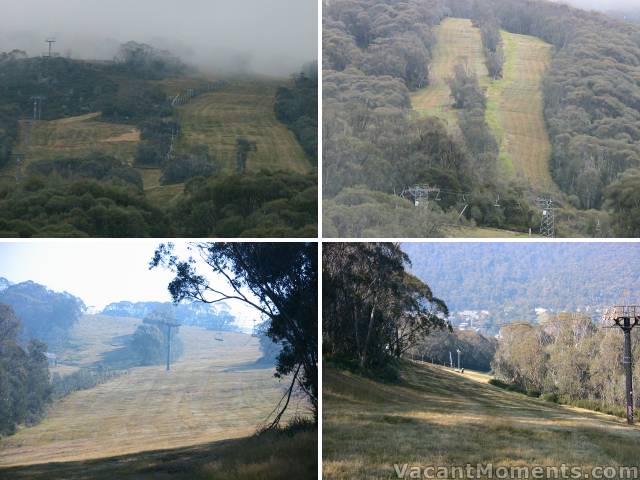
439, 417
242, 108
514, 103
267, 457
214, 391
458, 41
515, 111
79, 136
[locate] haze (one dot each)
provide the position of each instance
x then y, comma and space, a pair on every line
605, 5
101, 272
274, 37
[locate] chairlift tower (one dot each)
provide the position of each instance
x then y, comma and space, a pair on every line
547, 224
169, 325
37, 106
50, 41
625, 317
459, 352
419, 192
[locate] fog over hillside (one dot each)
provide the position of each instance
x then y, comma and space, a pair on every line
253, 36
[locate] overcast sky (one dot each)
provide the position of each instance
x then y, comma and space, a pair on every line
265, 36
100, 272
604, 5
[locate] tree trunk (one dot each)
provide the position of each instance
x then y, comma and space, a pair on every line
363, 354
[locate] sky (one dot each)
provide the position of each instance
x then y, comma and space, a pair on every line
273, 37
100, 272
604, 5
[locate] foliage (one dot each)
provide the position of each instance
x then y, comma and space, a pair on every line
70, 87
477, 350
182, 167
24, 376
156, 137
83, 379
148, 345
97, 167
373, 309
623, 197
244, 146
590, 93
297, 107
131, 105
279, 280
275, 204
568, 355
45, 315
194, 314
144, 61
39, 207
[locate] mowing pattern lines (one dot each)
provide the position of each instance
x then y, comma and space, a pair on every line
79, 137
214, 391
515, 110
217, 119
458, 41
437, 417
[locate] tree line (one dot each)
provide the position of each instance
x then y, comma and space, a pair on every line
374, 310
566, 358
25, 390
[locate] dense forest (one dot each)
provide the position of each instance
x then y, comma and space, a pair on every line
374, 310
567, 277
375, 53
566, 358
297, 107
102, 196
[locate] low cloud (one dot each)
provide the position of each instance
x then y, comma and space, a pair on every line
272, 37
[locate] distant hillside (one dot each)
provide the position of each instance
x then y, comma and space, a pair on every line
512, 280
4, 283
194, 314
46, 315
107, 149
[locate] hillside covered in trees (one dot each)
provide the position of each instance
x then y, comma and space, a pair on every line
377, 54
511, 280
211, 317
144, 146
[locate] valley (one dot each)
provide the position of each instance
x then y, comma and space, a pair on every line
215, 390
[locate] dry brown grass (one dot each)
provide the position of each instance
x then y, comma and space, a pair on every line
213, 392
438, 417
266, 457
